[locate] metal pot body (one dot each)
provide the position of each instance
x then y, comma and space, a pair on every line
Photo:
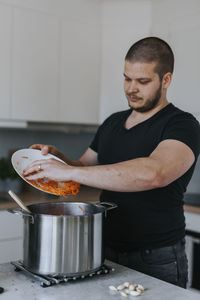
63, 238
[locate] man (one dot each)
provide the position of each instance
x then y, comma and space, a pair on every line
143, 159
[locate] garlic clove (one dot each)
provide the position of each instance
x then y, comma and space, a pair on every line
140, 287
126, 284
135, 293
120, 287
123, 294
112, 288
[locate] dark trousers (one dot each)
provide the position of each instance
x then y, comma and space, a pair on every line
167, 263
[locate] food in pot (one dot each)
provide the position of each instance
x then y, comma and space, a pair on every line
57, 188
83, 210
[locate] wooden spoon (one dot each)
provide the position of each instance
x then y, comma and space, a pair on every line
18, 201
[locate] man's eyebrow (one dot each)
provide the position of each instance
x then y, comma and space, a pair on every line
139, 78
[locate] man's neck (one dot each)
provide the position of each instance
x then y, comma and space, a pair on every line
137, 117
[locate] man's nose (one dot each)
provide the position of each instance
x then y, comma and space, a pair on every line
133, 88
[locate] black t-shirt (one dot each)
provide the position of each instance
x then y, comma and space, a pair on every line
153, 218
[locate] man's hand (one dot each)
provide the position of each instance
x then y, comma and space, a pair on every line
51, 169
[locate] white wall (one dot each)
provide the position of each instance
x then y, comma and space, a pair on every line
123, 23
178, 22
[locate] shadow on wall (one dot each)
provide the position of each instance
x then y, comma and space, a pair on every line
72, 145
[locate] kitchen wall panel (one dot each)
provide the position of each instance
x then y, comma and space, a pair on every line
5, 60
177, 21
72, 144
185, 89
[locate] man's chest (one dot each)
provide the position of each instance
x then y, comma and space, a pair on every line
116, 145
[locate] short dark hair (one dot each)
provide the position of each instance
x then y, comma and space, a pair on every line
152, 49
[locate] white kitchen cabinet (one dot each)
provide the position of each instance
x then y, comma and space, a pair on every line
5, 61
35, 67
11, 237
49, 62
192, 221
80, 73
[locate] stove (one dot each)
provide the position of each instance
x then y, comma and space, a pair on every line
48, 280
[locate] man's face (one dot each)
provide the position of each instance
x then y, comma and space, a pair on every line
142, 85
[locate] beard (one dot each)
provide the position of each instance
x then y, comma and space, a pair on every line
150, 103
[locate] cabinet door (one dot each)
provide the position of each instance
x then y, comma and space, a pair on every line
11, 237
35, 66
80, 73
5, 53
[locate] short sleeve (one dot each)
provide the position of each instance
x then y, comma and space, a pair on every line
186, 130
95, 142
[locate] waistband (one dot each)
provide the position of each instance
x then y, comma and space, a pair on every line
177, 246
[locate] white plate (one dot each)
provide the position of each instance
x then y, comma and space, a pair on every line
24, 157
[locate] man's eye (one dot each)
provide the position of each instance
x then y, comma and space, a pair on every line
127, 79
144, 82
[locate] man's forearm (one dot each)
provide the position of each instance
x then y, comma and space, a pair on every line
135, 175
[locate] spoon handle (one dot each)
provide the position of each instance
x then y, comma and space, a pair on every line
19, 202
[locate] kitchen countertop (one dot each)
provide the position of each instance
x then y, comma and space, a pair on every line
33, 196
86, 194
17, 286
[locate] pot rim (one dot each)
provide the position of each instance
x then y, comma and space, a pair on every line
101, 207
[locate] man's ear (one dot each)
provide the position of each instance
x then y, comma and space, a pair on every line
167, 78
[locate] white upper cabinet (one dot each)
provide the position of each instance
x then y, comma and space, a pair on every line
35, 67
5, 60
80, 76
50, 61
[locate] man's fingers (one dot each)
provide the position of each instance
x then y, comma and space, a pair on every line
35, 166
35, 176
36, 146
45, 150
32, 169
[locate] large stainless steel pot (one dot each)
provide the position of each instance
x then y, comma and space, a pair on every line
64, 238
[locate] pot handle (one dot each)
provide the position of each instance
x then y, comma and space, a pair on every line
21, 213
110, 205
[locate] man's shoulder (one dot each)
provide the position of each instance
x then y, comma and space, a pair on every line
179, 114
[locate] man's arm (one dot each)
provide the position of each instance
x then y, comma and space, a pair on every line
89, 158
169, 161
